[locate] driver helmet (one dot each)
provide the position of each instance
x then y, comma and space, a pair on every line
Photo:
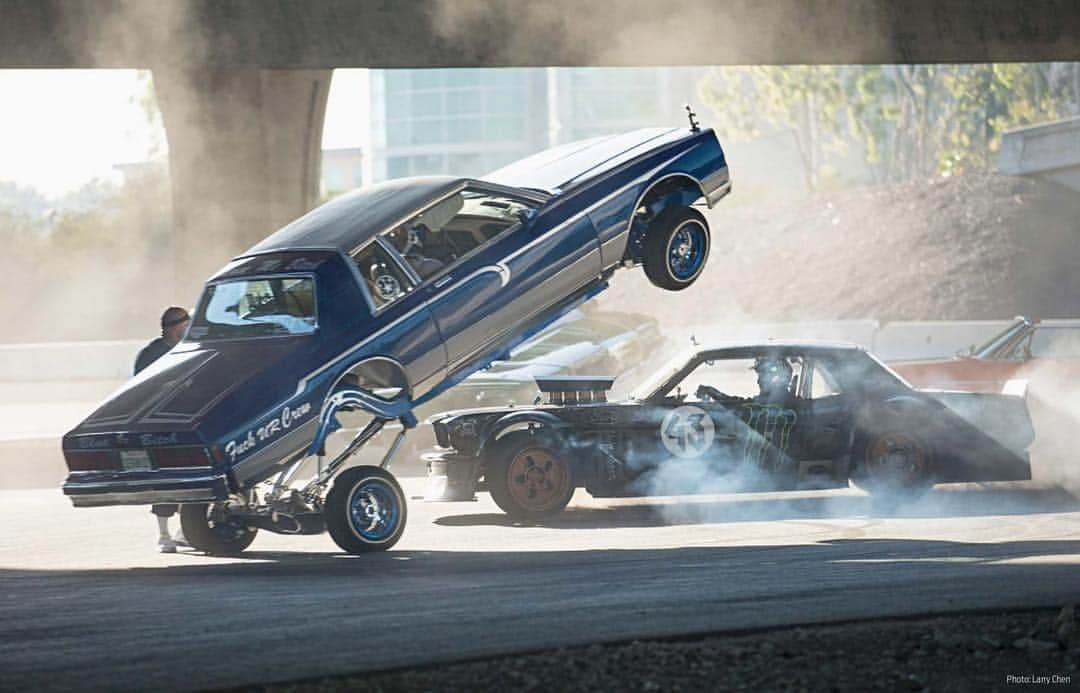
773, 371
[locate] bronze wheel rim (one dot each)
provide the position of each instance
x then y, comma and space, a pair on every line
897, 458
537, 480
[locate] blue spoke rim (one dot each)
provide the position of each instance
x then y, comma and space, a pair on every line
373, 510
686, 250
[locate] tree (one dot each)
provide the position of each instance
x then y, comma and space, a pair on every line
910, 120
805, 99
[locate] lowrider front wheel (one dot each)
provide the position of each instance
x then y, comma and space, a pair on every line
214, 532
676, 248
365, 510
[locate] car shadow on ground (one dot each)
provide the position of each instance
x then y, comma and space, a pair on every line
441, 564
945, 501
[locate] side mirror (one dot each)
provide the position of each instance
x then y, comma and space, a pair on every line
526, 216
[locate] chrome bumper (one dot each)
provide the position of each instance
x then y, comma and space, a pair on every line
88, 494
716, 186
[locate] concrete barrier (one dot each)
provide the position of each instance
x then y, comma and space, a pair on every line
68, 361
901, 341
1050, 151
891, 341
66, 374
857, 331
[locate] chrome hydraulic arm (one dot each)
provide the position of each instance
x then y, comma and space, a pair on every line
393, 449
327, 472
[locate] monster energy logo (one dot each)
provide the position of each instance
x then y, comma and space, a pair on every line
770, 430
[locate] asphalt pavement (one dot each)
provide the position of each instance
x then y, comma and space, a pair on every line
86, 602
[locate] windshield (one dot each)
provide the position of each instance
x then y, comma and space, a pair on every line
648, 387
995, 343
274, 306
853, 370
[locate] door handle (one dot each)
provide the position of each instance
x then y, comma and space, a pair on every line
444, 281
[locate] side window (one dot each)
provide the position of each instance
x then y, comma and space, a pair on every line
741, 378
822, 383
731, 377
454, 227
386, 281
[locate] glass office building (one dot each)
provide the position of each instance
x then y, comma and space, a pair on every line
455, 121
469, 121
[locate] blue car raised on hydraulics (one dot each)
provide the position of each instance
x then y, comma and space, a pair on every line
374, 303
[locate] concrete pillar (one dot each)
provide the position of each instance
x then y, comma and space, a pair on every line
244, 157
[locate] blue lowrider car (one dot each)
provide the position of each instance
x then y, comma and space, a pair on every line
373, 304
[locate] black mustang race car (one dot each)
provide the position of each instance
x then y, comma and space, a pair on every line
751, 417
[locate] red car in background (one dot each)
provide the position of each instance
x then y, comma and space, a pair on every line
1038, 354
1039, 360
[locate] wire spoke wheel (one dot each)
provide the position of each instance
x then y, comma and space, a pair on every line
365, 510
373, 510
687, 249
675, 248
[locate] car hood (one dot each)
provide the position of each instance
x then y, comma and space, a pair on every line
177, 390
555, 169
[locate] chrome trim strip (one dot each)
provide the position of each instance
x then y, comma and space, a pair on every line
465, 360
715, 186
720, 193
499, 268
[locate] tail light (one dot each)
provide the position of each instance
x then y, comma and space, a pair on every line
165, 458
92, 460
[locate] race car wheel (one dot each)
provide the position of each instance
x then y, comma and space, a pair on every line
365, 510
217, 537
676, 248
895, 461
529, 477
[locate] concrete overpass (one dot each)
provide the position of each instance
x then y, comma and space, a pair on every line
1050, 151
242, 84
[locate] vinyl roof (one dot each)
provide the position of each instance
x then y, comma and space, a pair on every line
351, 219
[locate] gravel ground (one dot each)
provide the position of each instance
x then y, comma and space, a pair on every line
977, 652
977, 247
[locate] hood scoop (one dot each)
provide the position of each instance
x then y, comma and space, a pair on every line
574, 389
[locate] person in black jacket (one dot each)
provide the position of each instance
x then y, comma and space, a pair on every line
174, 323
